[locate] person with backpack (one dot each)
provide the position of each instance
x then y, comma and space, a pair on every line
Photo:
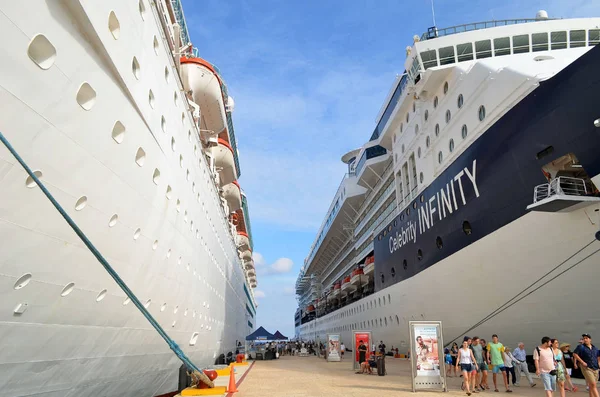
545, 367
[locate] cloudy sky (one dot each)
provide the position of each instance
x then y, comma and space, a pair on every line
308, 78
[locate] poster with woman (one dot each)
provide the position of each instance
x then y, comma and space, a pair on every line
333, 347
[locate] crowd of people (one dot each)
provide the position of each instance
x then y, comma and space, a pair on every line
554, 364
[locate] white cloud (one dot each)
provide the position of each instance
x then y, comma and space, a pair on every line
289, 290
259, 294
259, 260
280, 266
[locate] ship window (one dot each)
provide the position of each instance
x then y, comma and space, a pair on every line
385, 321
419, 152
427, 141
464, 52
440, 157
393, 272
397, 320
594, 36
520, 44
43, 53
405, 264
437, 130
481, 112
502, 46
394, 138
402, 148
416, 129
429, 59
446, 55
439, 242
467, 228
401, 127
389, 298
464, 131
558, 40
539, 42
382, 281
483, 49
407, 117
421, 177
435, 102
414, 106
445, 88
577, 38
448, 116
460, 101
426, 114
451, 145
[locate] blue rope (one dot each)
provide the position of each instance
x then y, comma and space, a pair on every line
172, 345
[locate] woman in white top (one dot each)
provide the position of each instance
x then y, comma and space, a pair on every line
467, 362
508, 365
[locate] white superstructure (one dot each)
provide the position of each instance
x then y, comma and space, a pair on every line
443, 204
95, 98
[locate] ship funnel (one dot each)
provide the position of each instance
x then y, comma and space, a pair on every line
541, 14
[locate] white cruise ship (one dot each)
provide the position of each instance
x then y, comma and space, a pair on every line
132, 133
474, 202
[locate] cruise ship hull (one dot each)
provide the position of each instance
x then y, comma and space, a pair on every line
467, 274
91, 100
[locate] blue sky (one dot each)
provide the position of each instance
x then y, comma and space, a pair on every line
308, 78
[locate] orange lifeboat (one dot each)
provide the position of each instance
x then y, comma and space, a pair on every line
310, 308
356, 272
233, 195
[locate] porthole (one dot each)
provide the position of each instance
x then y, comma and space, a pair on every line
178, 205
30, 182
401, 127
481, 113
460, 101
394, 138
448, 116
173, 144
463, 131
414, 106
194, 338
422, 198
405, 264
435, 102
395, 223
118, 132
396, 157
419, 254
86, 96
135, 68
155, 245
142, 9
427, 141
126, 301
440, 157
380, 237
407, 211
393, 271
169, 253
163, 123
451, 145
445, 87
166, 74
402, 148
41, 51
147, 304
437, 130
101, 295
187, 175
113, 220
181, 161
407, 118
67, 289
416, 129
467, 228
137, 233
140, 157
421, 178
156, 176
389, 229
169, 192
163, 307
81, 203
155, 45
176, 100
438, 242
414, 205
151, 99
419, 152
426, 114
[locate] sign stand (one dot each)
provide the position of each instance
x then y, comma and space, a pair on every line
332, 350
428, 367
358, 336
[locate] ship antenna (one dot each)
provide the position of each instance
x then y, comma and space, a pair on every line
433, 12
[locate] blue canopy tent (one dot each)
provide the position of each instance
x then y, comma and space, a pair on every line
261, 334
279, 336
261, 351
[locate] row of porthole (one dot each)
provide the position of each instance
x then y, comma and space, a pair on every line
363, 324
435, 104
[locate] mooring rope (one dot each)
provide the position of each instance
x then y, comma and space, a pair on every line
172, 345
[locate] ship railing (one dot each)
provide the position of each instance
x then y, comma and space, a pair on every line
563, 185
434, 32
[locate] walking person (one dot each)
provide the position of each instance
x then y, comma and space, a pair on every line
480, 360
521, 368
448, 361
467, 361
587, 357
568, 359
473, 375
454, 354
561, 368
543, 356
494, 352
508, 365
484, 374
342, 350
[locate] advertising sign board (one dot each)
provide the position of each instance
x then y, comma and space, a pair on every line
427, 352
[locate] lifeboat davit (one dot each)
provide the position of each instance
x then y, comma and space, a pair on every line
233, 195
246, 255
249, 265
224, 160
243, 242
253, 285
251, 273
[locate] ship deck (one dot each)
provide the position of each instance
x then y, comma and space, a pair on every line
314, 377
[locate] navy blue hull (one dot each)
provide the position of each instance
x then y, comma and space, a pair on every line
559, 113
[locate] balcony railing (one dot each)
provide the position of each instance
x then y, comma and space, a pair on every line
434, 32
369, 153
564, 186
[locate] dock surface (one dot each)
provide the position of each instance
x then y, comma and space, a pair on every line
314, 377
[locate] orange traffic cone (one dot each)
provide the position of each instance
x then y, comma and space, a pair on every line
232, 388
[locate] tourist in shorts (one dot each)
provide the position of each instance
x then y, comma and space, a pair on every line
477, 349
467, 361
562, 375
484, 374
543, 356
587, 357
342, 350
494, 354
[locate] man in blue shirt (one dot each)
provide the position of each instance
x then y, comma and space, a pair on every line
587, 357
521, 365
